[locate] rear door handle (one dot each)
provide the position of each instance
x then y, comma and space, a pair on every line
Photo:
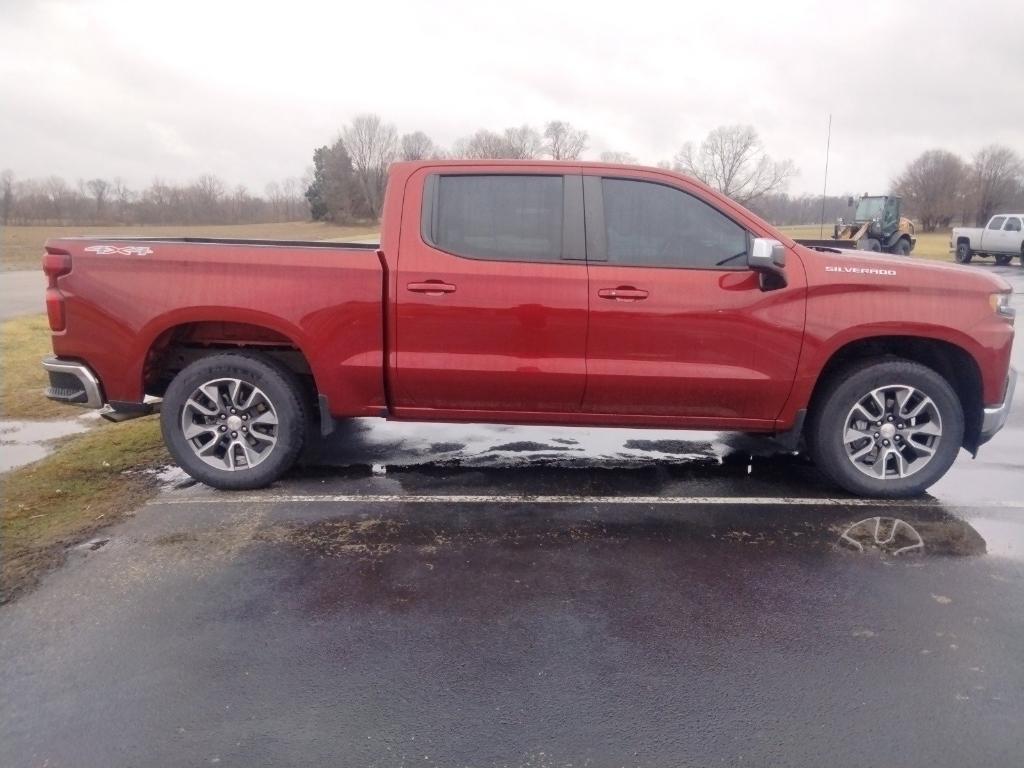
623, 293
431, 287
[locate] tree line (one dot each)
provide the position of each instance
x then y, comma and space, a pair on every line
349, 176
206, 200
939, 187
347, 180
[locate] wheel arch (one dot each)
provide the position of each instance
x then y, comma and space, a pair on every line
181, 339
954, 363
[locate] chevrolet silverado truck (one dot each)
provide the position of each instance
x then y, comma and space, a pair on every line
1002, 238
522, 292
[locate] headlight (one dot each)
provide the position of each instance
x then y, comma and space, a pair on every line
1000, 303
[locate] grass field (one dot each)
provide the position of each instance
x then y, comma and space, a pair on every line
91, 480
22, 247
24, 341
930, 245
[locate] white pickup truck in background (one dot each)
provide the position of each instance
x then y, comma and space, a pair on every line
1002, 237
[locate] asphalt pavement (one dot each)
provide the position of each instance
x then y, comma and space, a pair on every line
510, 596
22, 292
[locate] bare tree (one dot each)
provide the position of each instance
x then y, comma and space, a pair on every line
996, 177
623, 158
482, 145
59, 196
417, 146
99, 188
932, 185
563, 141
732, 160
6, 195
523, 143
373, 145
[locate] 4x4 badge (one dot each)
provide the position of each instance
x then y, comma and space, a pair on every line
125, 250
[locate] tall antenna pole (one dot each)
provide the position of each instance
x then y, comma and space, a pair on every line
824, 190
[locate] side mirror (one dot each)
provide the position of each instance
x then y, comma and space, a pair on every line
768, 257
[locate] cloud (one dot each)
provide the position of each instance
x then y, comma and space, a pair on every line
247, 90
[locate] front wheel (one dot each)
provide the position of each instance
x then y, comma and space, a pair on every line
1002, 259
886, 428
234, 421
963, 253
902, 247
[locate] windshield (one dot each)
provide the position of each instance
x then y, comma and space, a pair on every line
869, 208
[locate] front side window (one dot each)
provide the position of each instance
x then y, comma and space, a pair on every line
501, 217
1012, 225
997, 222
653, 225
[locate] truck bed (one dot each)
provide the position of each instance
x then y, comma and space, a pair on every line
130, 300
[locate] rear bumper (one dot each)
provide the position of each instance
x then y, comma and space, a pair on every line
74, 383
994, 418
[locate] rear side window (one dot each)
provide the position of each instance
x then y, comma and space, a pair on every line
1012, 225
653, 225
997, 222
502, 217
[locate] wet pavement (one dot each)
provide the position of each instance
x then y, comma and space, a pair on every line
508, 596
22, 292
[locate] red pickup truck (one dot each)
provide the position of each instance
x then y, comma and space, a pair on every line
536, 293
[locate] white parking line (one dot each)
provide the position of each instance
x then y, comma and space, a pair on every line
330, 498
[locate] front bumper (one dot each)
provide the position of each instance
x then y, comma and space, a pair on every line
75, 384
993, 419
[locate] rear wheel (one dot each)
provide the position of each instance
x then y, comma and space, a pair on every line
235, 420
1002, 259
902, 247
886, 428
963, 253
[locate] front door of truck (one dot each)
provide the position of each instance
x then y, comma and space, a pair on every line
679, 326
491, 292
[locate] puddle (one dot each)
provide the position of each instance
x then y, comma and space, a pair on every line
372, 441
22, 442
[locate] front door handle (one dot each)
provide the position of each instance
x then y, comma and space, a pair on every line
623, 293
431, 287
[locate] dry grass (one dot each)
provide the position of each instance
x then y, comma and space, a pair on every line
61, 500
24, 341
22, 247
93, 480
930, 245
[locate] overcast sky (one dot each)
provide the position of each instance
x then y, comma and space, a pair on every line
246, 90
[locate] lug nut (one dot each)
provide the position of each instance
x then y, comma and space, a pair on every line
234, 434
899, 426
890, 418
234, 411
223, 415
885, 443
245, 429
223, 428
245, 417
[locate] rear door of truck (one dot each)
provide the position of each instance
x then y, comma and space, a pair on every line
491, 291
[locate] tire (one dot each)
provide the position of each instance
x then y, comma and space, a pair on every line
901, 247
1003, 259
870, 244
248, 447
963, 253
923, 450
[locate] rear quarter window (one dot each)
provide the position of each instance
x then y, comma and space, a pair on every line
499, 217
